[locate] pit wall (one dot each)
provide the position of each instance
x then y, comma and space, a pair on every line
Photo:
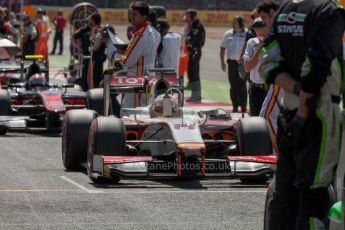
120, 16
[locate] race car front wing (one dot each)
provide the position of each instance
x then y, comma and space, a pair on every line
136, 167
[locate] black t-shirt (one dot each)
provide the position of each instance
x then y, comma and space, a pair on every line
196, 36
83, 35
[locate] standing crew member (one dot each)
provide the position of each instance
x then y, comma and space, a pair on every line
168, 52
270, 108
195, 41
60, 23
85, 36
257, 91
43, 35
95, 69
141, 52
233, 41
303, 55
29, 36
183, 62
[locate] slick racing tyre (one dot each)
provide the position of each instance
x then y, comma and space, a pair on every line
75, 132
5, 107
253, 137
95, 100
5, 102
107, 136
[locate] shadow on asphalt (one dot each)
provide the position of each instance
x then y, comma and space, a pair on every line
187, 184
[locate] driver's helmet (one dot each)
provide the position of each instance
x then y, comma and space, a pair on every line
165, 105
36, 80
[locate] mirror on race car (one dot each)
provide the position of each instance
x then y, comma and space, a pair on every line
215, 113
130, 111
69, 85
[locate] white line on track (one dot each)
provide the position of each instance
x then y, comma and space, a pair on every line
76, 184
152, 190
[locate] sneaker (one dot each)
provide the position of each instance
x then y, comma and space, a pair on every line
194, 100
235, 110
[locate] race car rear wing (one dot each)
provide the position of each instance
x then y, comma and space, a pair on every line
114, 84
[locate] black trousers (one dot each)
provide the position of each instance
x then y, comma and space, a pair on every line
257, 94
238, 88
58, 37
194, 72
296, 204
82, 80
97, 73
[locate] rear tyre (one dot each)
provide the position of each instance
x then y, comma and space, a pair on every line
95, 100
254, 139
5, 102
75, 132
5, 107
107, 136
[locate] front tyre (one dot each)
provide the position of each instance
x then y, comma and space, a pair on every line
75, 133
5, 107
107, 138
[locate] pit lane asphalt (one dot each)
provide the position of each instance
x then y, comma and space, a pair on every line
37, 193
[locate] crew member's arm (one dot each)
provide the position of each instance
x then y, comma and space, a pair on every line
222, 51
251, 55
24, 38
100, 39
241, 61
11, 30
320, 57
222, 54
272, 68
133, 52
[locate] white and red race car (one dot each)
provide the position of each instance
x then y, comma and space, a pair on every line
164, 138
29, 101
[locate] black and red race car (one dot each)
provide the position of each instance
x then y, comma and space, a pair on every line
164, 138
28, 100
